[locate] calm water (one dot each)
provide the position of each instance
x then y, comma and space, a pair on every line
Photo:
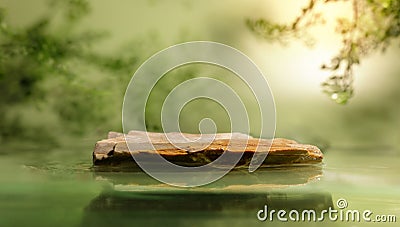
47, 188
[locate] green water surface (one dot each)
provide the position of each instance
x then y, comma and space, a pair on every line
59, 188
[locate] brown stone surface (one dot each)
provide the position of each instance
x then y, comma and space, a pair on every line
114, 152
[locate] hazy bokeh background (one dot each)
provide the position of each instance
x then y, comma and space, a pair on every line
142, 28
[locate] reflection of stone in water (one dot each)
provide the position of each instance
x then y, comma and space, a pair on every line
137, 199
235, 181
116, 207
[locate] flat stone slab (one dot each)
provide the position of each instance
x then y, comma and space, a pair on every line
195, 150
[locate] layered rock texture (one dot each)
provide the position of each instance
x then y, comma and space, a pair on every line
196, 150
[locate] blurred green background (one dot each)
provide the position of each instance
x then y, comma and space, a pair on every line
72, 84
